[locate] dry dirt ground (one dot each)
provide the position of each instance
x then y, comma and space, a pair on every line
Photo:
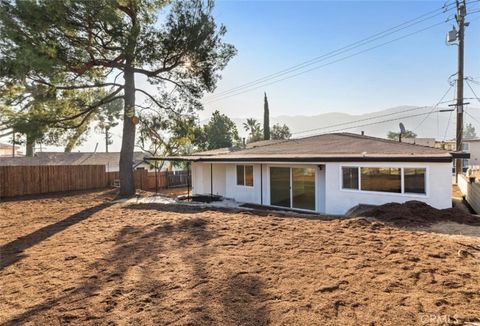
82, 260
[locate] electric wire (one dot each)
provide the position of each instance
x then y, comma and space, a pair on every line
348, 47
329, 63
434, 107
265, 80
356, 121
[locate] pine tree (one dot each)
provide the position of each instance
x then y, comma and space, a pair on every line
266, 119
108, 45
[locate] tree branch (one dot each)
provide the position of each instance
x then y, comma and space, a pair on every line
107, 99
72, 87
155, 101
6, 134
154, 73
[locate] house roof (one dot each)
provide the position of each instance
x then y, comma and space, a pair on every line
335, 147
8, 146
226, 150
79, 158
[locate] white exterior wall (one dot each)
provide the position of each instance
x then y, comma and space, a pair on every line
438, 187
474, 150
330, 197
245, 194
201, 184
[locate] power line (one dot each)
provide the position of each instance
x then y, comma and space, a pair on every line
356, 121
383, 115
378, 122
433, 108
448, 126
348, 47
471, 88
331, 62
471, 116
264, 81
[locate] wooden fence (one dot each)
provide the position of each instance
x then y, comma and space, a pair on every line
471, 191
146, 180
30, 180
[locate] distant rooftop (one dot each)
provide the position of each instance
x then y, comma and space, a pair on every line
76, 158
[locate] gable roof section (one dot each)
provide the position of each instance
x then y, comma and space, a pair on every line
335, 147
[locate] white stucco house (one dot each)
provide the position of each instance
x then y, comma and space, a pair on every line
327, 173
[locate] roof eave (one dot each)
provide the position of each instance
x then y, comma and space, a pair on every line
460, 155
433, 159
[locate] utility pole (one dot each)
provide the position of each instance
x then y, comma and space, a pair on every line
460, 17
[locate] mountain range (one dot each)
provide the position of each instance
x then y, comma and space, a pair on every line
424, 121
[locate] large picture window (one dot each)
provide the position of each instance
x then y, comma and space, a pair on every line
381, 179
385, 179
414, 179
245, 175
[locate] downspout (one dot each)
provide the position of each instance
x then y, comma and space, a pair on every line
188, 180
156, 178
261, 184
211, 180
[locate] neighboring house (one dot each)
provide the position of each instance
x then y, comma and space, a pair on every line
449, 145
470, 146
327, 174
8, 150
110, 160
420, 141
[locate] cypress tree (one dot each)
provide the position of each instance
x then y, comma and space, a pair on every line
266, 119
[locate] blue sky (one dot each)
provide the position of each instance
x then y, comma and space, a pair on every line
273, 35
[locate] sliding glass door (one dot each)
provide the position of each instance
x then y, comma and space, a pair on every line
280, 187
303, 188
292, 187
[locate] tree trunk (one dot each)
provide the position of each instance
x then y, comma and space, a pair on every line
127, 185
73, 140
29, 146
107, 139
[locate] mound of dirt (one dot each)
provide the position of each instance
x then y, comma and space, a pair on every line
413, 213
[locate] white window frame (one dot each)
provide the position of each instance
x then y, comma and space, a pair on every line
358, 174
402, 181
425, 180
244, 175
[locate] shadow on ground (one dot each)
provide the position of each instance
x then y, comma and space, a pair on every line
12, 252
106, 288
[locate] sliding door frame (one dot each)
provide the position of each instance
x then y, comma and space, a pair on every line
291, 167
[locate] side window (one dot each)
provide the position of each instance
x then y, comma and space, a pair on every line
414, 180
249, 175
240, 175
381, 179
245, 175
349, 177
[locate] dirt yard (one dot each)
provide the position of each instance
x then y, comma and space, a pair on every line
82, 260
